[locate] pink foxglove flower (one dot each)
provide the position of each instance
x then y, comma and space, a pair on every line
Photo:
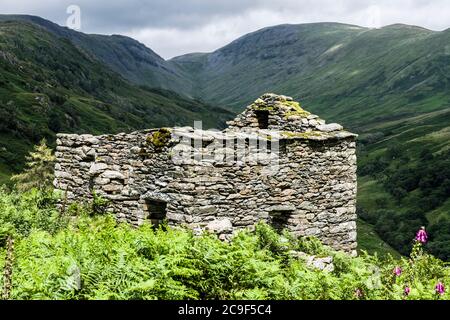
398, 271
440, 289
407, 291
422, 236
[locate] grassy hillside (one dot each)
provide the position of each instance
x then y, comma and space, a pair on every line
333, 68
404, 179
370, 241
49, 85
131, 59
390, 85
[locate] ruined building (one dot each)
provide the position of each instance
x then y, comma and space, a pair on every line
275, 162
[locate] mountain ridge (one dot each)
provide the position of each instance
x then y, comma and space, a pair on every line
49, 85
125, 55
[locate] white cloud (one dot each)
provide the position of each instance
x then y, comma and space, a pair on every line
181, 26
210, 36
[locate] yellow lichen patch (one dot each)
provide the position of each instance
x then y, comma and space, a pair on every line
265, 136
303, 135
261, 106
264, 108
294, 109
159, 139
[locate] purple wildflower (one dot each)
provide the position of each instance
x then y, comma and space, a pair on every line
407, 291
358, 293
440, 289
422, 236
397, 271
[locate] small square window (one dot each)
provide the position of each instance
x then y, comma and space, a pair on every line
279, 220
156, 211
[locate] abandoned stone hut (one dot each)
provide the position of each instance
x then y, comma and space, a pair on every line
274, 162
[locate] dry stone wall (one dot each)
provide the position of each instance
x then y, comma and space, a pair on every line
224, 181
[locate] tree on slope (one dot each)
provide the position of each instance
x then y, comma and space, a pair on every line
38, 172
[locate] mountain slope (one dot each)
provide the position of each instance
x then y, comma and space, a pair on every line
331, 67
263, 60
49, 85
131, 59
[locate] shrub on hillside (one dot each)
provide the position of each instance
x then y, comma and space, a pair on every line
21, 213
39, 172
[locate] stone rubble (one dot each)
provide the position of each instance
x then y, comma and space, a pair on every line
319, 263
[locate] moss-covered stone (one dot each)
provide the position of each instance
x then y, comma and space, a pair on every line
265, 108
262, 107
159, 139
303, 135
294, 109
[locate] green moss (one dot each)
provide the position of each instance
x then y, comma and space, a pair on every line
295, 110
293, 104
159, 139
303, 135
265, 137
262, 107
266, 108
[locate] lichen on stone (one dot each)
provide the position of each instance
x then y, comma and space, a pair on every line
294, 109
303, 135
264, 108
159, 139
261, 105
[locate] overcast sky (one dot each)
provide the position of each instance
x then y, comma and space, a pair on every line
175, 27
